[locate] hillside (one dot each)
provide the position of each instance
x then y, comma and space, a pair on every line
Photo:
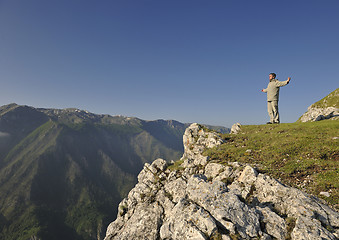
224, 187
331, 100
326, 108
302, 155
64, 171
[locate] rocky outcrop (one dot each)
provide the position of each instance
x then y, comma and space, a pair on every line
317, 114
196, 139
196, 198
326, 108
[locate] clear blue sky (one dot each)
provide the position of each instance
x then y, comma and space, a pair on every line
188, 60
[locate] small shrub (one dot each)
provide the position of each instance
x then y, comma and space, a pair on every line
176, 166
123, 210
290, 222
227, 181
216, 236
169, 196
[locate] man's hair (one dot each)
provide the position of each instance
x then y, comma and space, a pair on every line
273, 74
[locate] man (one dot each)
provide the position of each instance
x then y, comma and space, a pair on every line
272, 91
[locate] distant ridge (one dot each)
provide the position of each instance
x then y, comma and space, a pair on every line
64, 171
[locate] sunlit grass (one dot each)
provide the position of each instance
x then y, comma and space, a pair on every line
303, 155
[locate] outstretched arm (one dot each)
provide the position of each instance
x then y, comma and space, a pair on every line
283, 83
264, 90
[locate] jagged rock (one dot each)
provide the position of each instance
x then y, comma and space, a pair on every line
225, 207
177, 189
216, 201
236, 128
196, 139
274, 224
213, 169
145, 223
165, 200
187, 220
149, 174
310, 228
317, 114
293, 202
249, 175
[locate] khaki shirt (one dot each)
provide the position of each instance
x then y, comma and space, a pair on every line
273, 89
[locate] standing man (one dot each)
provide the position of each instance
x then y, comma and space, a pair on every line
272, 91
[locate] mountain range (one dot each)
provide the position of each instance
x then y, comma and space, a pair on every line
64, 171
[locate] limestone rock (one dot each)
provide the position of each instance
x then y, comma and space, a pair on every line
187, 220
236, 128
176, 188
225, 175
225, 207
145, 223
274, 224
196, 139
248, 175
306, 228
213, 169
317, 114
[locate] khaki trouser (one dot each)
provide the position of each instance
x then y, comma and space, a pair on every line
272, 108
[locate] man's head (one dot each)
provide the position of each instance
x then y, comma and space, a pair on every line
272, 76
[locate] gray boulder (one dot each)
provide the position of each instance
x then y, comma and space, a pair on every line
187, 220
236, 128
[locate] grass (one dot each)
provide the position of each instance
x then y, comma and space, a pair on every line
302, 155
176, 165
37, 134
331, 100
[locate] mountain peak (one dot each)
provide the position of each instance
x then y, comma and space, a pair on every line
6, 108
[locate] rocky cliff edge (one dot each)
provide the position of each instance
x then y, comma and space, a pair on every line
195, 198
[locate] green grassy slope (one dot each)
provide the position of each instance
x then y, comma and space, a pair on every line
331, 100
17, 122
16, 179
303, 155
